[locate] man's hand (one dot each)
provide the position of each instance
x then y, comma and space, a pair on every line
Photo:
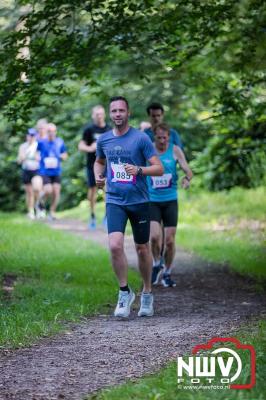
185, 182
131, 169
63, 156
100, 181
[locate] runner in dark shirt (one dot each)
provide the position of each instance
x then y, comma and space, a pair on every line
88, 144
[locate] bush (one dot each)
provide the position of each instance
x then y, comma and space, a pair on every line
233, 159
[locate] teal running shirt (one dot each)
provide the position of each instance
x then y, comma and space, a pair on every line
164, 188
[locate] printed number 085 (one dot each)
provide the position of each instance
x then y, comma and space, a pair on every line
122, 175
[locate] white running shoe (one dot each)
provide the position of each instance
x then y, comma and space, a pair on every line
125, 300
31, 214
146, 305
41, 214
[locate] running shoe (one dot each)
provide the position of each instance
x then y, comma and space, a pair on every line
92, 224
167, 281
41, 214
31, 214
146, 305
156, 273
125, 300
40, 210
51, 217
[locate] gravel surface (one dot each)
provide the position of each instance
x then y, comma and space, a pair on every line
208, 301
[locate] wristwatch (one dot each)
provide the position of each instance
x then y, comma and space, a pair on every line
189, 179
139, 171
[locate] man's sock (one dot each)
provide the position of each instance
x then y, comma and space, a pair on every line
156, 263
125, 288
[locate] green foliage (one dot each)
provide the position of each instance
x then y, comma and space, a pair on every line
10, 177
73, 39
205, 61
256, 169
234, 158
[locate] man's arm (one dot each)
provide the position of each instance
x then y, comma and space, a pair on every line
154, 169
99, 169
180, 156
82, 146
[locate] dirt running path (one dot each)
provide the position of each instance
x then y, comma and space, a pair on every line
208, 301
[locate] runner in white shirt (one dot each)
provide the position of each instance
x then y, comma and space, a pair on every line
28, 157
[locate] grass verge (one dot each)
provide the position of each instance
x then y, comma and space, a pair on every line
57, 277
226, 227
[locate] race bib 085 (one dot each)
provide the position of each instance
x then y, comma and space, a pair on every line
119, 174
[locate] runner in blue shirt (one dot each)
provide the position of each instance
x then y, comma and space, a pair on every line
52, 152
124, 152
164, 203
156, 113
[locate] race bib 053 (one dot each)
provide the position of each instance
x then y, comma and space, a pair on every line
161, 182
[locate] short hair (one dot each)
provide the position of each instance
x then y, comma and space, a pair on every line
116, 98
154, 106
163, 126
96, 108
41, 122
51, 125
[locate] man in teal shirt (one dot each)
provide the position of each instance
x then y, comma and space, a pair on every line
155, 112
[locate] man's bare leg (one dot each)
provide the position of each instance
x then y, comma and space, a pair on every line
118, 257
145, 264
119, 263
47, 192
169, 256
169, 247
56, 188
156, 238
92, 197
37, 187
156, 241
